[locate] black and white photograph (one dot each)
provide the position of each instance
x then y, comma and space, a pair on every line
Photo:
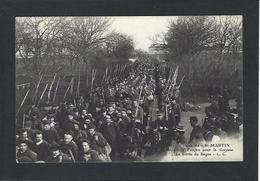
97, 89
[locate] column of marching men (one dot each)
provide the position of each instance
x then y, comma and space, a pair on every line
132, 117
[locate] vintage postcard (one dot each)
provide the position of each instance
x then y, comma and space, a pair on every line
129, 89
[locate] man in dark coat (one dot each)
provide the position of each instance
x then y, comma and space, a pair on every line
50, 134
36, 123
69, 147
28, 128
131, 154
78, 134
161, 122
87, 154
176, 109
57, 156
97, 141
124, 124
111, 132
69, 123
24, 154
40, 146
152, 141
24, 137
197, 132
179, 141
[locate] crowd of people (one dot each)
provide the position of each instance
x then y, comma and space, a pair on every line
131, 117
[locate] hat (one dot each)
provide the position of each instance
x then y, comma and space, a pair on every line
20, 141
89, 115
159, 114
54, 147
91, 126
193, 119
75, 110
69, 133
180, 128
50, 115
84, 140
46, 121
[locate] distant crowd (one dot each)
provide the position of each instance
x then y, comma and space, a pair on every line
132, 117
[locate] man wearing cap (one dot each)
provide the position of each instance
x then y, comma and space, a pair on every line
78, 134
111, 111
161, 122
179, 141
69, 123
28, 128
176, 111
24, 137
111, 133
36, 123
69, 147
97, 141
24, 154
124, 124
57, 156
76, 115
152, 141
131, 154
197, 131
50, 134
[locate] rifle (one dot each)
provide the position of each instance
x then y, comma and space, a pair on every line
68, 88
166, 112
37, 87
181, 82
136, 112
71, 87
23, 101
173, 82
49, 92
77, 92
56, 90
23, 120
72, 156
169, 79
105, 74
92, 78
42, 94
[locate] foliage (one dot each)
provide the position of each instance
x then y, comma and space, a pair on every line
119, 46
194, 34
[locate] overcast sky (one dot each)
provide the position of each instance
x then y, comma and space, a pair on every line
141, 28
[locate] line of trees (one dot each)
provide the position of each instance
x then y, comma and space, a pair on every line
43, 44
208, 50
190, 35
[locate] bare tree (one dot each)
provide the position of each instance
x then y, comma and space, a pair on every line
82, 35
228, 34
37, 43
